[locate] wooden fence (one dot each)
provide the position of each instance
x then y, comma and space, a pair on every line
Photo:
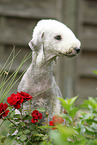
18, 18
86, 81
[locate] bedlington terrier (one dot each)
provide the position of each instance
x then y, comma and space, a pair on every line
50, 39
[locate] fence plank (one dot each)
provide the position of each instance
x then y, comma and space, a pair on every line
86, 87
90, 10
86, 81
28, 8
16, 31
20, 50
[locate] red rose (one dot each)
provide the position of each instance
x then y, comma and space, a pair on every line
26, 96
51, 123
3, 111
36, 115
57, 120
17, 106
34, 121
39, 116
15, 100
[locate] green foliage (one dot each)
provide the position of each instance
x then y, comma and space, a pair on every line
80, 124
68, 105
79, 127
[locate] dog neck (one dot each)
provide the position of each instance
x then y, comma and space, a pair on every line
42, 66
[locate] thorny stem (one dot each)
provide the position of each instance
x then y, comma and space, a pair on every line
21, 108
3, 112
2, 122
29, 142
47, 114
11, 121
30, 105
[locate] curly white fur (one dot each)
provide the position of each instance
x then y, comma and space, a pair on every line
50, 39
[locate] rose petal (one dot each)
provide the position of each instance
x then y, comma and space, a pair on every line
5, 113
17, 106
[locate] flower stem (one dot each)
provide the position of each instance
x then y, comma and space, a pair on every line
2, 122
29, 142
11, 121
30, 105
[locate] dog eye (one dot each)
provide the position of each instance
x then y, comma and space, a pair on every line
58, 37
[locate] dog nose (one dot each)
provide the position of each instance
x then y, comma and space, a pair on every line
77, 49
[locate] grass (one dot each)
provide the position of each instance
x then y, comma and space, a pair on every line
7, 82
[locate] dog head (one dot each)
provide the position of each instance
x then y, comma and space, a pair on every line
54, 38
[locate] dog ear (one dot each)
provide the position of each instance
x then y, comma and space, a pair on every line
31, 45
42, 35
41, 55
36, 41
40, 38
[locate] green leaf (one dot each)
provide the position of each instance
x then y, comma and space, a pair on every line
67, 104
41, 109
16, 116
45, 127
95, 71
92, 100
26, 131
94, 126
89, 103
90, 121
39, 134
35, 132
12, 130
72, 112
22, 123
3, 139
17, 120
84, 105
96, 106
66, 132
23, 137
20, 133
72, 100
88, 116
82, 129
55, 137
8, 141
64, 104
65, 116
89, 129
26, 117
17, 141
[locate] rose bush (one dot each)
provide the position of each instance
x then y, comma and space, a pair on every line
65, 128
22, 128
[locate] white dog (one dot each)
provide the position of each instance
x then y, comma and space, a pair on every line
50, 39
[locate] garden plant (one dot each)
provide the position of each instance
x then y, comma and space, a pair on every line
74, 126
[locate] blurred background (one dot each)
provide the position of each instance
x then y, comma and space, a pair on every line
73, 75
